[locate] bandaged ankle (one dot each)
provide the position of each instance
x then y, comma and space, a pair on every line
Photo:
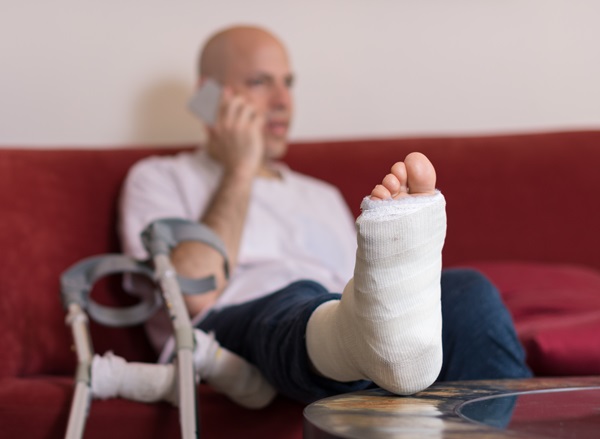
113, 377
387, 326
230, 374
225, 371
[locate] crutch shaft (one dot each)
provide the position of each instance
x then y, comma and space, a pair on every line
173, 298
184, 340
78, 321
79, 411
187, 394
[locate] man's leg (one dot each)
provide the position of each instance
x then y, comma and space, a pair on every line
478, 334
387, 326
270, 332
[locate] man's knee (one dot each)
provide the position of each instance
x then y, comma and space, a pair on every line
467, 284
479, 338
470, 301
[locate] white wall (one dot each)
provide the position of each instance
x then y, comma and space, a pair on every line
118, 72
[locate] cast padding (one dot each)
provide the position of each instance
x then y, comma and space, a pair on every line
387, 325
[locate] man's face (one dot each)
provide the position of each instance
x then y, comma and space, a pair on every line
261, 73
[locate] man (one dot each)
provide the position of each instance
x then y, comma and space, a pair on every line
291, 247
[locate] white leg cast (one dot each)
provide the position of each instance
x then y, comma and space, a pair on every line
387, 326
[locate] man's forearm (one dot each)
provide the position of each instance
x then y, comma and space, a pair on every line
226, 215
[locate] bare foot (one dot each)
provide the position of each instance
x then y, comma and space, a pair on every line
414, 176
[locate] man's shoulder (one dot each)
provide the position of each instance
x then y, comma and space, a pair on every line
312, 184
309, 180
165, 160
170, 163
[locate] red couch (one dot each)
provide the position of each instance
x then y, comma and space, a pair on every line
522, 208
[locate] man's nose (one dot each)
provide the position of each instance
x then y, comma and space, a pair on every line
281, 96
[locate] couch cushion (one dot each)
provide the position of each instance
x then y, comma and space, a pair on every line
40, 407
556, 309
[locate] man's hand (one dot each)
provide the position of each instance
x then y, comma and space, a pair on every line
237, 139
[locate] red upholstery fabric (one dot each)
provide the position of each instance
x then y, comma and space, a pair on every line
58, 207
38, 407
557, 313
509, 199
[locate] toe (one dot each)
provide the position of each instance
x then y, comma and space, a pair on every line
392, 184
420, 174
399, 171
380, 192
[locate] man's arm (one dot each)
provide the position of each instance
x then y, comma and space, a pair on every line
236, 142
226, 216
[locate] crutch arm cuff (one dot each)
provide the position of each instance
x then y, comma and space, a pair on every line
77, 282
163, 235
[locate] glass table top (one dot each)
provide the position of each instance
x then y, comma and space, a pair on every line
557, 413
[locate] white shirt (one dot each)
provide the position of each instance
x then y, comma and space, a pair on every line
297, 227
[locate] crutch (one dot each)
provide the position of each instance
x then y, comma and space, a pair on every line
159, 238
76, 284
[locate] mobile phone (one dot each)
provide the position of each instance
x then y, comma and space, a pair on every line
205, 101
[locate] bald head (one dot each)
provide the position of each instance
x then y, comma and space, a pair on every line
234, 44
252, 65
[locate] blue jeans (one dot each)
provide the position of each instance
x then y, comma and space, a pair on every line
478, 336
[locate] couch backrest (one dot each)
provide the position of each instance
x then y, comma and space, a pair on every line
523, 197
529, 197
58, 207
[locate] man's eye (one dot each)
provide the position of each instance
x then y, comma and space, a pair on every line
255, 82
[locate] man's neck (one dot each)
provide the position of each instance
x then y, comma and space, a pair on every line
267, 170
